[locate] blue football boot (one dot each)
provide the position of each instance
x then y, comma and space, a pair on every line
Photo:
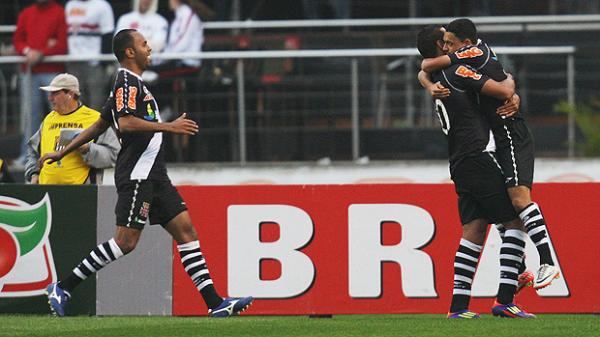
231, 306
57, 298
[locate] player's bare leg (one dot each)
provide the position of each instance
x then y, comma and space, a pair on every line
127, 238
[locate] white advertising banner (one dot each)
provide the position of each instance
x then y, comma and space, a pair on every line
406, 172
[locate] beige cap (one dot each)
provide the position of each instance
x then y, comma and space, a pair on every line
63, 81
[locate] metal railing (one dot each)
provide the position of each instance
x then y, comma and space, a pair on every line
353, 54
485, 23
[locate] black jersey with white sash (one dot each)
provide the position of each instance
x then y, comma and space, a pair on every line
142, 153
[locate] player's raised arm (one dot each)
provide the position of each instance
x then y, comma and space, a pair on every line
436, 63
182, 125
85, 136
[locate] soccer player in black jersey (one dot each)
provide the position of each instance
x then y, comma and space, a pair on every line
144, 189
514, 142
478, 180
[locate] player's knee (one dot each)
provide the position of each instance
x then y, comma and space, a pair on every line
475, 232
127, 245
514, 224
190, 232
520, 197
186, 233
519, 203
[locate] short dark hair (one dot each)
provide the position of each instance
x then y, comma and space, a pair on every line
427, 38
463, 29
122, 41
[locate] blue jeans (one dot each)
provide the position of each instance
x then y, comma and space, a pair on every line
31, 123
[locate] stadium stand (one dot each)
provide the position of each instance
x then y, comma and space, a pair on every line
299, 109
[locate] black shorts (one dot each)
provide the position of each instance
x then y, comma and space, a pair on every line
481, 192
515, 153
139, 200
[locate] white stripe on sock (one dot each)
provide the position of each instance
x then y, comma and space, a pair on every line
189, 256
467, 257
195, 264
204, 284
97, 259
511, 257
457, 291
189, 246
509, 281
463, 278
199, 273
464, 266
512, 245
116, 250
509, 269
79, 274
89, 266
470, 245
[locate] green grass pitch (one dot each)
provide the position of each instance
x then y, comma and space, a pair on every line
284, 326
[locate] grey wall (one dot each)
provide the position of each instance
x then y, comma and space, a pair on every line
139, 283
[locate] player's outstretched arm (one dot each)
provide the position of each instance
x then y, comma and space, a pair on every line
436, 90
85, 136
181, 125
436, 63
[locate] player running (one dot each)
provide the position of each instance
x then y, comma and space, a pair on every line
144, 189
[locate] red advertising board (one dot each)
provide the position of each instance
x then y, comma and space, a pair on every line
349, 249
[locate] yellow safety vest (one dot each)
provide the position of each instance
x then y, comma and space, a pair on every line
71, 169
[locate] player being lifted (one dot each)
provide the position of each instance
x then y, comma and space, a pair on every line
478, 180
144, 189
514, 142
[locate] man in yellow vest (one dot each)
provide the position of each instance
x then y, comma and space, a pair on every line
66, 120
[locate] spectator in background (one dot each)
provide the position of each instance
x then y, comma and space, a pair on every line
67, 119
41, 31
144, 19
91, 24
185, 35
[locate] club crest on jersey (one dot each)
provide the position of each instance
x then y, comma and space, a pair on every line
469, 53
468, 73
148, 96
144, 210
